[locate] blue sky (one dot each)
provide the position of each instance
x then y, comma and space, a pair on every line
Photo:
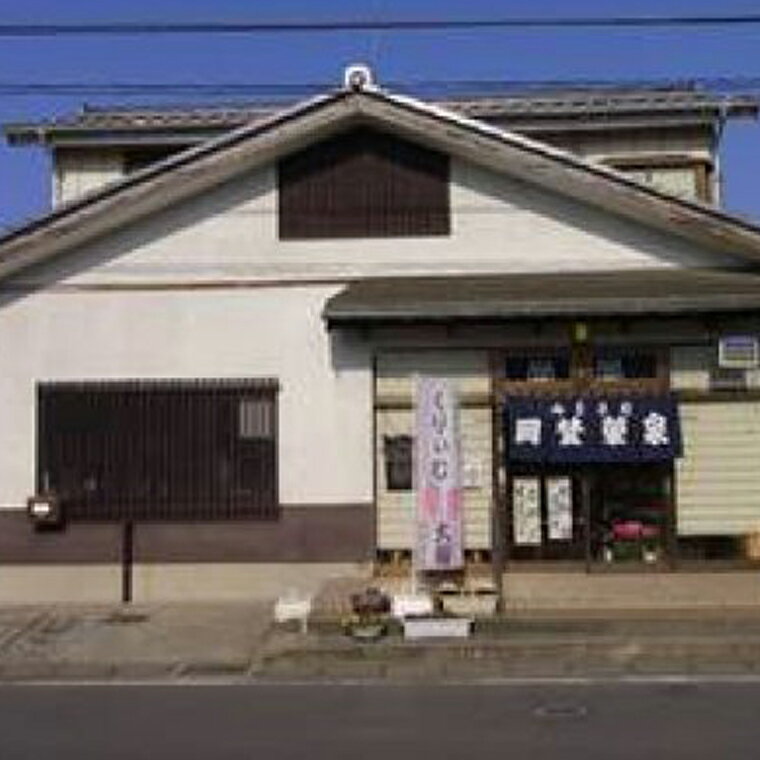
399, 57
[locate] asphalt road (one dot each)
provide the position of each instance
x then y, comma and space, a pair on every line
373, 722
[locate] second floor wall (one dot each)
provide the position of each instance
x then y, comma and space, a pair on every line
679, 161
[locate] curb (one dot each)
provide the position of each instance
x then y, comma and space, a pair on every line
170, 672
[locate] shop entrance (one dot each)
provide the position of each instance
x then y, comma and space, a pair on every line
547, 520
589, 477
631, 513
607, 514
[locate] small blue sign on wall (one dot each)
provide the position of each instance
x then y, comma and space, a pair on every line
592, 429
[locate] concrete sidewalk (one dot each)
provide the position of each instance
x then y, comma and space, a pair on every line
106, 642
239, 642
555, 624
546, 644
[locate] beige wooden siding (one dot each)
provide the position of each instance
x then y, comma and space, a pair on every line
395, 509
690, 367
469, 371
718, 479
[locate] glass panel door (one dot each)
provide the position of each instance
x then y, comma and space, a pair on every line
630, 513
546, 520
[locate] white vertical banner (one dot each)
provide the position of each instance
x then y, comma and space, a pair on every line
438, 484
526, 511
559, 508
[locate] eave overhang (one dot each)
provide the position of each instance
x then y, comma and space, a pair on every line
512, 297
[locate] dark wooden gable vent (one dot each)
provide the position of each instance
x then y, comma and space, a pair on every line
363, 183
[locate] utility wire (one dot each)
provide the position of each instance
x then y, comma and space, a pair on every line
438, 87
400, 25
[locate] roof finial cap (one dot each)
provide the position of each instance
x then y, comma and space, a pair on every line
358, 76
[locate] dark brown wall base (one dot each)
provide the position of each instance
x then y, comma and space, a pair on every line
318, 533
90, 543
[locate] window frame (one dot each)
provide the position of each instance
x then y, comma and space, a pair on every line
163, 450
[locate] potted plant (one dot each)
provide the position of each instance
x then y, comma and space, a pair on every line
368, 620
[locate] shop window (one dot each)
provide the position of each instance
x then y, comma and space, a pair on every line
160, 450
630, 513
537, 368
625, 366
398, 462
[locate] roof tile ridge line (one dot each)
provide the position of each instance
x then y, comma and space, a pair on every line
72, 120
567, 157
170, 162
518, 95
243, 131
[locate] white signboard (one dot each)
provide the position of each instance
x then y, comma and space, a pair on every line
439, 482
526, 511
559, 508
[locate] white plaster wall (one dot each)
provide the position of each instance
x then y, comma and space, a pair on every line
78, 172
325, 407
499, 225
69, 330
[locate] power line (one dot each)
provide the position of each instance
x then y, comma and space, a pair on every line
400, 25
442, 87
150, 88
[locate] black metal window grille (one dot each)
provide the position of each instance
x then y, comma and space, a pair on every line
539, 367
160, 450
621, 365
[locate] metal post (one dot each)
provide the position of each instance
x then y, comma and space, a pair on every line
586, 485
671, 522
500, 495
127, 550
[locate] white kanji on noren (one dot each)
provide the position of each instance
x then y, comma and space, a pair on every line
655, 429
570, 431
615, 430
528, 431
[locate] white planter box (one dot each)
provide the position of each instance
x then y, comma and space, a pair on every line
404, 605
470, 605
437, 628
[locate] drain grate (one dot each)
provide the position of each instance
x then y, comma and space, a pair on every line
560, 711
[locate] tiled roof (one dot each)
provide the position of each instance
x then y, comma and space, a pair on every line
528, 296
534, 106
194, 170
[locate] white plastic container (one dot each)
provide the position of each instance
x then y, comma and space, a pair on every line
437, 628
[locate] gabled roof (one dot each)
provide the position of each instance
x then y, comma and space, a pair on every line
505, 297
215, 161
531, 110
